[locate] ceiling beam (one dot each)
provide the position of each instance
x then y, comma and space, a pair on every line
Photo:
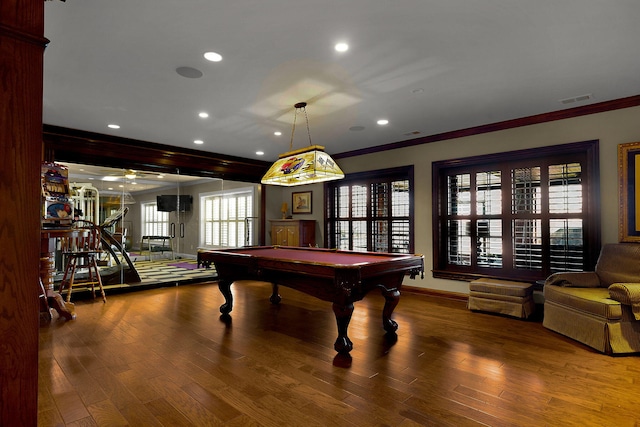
76, 146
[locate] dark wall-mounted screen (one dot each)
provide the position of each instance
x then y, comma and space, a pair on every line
169, 203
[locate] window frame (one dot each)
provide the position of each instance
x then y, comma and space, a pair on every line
587, 153
367, 178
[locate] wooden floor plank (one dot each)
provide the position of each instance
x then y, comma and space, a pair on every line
105, 413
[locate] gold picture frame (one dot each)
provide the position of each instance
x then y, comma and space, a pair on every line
301, 202
629, 192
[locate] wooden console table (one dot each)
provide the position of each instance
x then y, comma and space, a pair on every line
293, 232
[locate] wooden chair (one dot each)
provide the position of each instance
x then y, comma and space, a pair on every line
81, 251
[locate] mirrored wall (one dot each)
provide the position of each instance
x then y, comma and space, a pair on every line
154, 224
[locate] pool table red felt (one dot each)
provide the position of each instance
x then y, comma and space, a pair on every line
341, 277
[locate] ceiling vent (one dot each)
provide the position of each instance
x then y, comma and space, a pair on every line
580, 98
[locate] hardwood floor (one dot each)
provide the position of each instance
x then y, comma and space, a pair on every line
163, 357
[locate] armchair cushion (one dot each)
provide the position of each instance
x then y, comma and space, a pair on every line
628, 294
590, 301
578, 279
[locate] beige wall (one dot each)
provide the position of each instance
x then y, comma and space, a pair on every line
275, 196
610, 128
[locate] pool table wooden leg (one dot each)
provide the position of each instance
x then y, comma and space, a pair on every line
343, 316
225, 290
392, 297
275, 296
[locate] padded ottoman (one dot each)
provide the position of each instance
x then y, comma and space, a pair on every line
501, 296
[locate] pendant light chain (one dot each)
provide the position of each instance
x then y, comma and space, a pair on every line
299, 106
307, 119
293, 129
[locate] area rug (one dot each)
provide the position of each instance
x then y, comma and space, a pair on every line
186, 265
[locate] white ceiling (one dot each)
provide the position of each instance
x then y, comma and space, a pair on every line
428, 66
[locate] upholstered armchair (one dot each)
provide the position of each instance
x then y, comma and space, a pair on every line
599, 308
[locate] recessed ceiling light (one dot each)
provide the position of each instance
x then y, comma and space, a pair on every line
383, 122
341, 47
160, 176
260, 153
198, 141
213, 56
277, 133
113, 126
203, 114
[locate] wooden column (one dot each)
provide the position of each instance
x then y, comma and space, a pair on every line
21, 67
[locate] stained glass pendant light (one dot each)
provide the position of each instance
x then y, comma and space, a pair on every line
303, 166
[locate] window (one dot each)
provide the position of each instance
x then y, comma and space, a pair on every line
227, 218
372, 211
154, 223
520, 215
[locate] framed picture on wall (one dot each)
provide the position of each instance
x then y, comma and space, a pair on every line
301, 202
629, 192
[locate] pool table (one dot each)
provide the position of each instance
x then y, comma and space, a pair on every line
341, 277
